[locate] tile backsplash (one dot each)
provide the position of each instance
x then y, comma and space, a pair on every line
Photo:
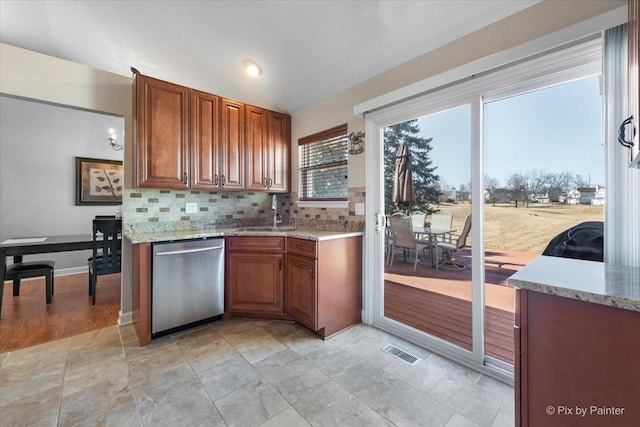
148, 206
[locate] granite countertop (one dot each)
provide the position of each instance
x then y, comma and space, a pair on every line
205, 232
591, 281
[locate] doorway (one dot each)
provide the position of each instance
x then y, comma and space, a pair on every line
41, 158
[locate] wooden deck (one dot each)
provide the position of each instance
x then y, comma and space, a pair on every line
438, 302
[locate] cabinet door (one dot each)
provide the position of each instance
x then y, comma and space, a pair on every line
205, 135
301, 290
278, 152
255, 282
257, 126
162, 134
232, 145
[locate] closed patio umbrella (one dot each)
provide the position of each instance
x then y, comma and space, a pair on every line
403, 191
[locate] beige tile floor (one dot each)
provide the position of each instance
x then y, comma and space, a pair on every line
243, 373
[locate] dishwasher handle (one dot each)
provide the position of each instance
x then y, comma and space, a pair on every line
189, 251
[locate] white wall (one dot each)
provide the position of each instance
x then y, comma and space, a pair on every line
38, 146
32, 75
534, 22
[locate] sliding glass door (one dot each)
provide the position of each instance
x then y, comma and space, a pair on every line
433, 293
544, 173
477, 152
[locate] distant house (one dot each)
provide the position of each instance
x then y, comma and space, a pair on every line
583, 196
539, 197
464, 196
571, 197
449, 196
598, 199
555, 195
500, 195
591, 195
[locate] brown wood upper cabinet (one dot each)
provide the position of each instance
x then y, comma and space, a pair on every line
217, 151
191, 139
186, 138
268, 144
161, 117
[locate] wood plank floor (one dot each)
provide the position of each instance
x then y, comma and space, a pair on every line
438, 302
27, 320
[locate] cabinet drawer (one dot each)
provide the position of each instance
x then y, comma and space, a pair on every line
267, 244
302, 247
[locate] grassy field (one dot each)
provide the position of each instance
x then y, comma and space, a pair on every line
525, 229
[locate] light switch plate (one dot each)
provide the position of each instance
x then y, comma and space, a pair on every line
191, 208
359, 208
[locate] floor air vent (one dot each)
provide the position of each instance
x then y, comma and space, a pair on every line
400, 354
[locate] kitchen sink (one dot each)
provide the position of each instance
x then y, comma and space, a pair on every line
267, 228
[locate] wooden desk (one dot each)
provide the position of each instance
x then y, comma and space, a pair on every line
62, 243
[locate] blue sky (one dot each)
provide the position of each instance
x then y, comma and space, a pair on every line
554, 129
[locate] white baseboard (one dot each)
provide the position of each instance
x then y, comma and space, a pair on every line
125, 318
70, 271
63, 272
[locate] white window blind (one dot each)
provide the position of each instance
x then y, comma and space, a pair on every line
323, 165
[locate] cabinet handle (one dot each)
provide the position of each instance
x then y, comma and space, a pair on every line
264, 182
185, 178
215, 179
270, 182
224, 181
280, 264
311, 273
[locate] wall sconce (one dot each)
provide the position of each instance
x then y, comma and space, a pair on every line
357, 142
113, 140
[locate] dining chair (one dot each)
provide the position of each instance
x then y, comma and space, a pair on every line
25, 270
449, 248
404, 238
107, 251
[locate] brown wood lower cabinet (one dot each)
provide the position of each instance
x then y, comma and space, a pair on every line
324, 283
316, 283
255, 276
319, 286
577, 363
301, 290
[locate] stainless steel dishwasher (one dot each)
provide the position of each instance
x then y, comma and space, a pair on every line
187, 284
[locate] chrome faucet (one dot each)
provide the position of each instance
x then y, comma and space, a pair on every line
274, 206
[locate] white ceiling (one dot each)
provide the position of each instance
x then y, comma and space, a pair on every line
309, 50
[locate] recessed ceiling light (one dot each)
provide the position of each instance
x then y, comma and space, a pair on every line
252, 69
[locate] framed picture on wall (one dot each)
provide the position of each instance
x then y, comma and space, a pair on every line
98, 181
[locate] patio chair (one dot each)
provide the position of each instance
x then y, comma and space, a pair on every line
442, 221
388, 237
449, 248
404, 238
418, 218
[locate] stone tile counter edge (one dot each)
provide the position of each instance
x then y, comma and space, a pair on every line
170, 235
591, 281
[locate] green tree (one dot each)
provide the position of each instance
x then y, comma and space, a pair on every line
424, 177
